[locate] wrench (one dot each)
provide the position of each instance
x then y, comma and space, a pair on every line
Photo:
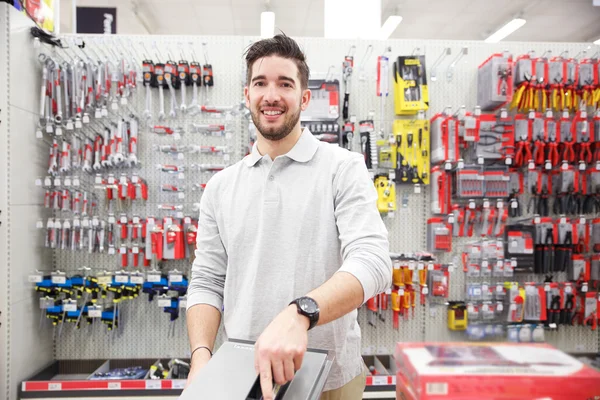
53, 162
98, 150
173, 112
87, 156
77, 152
43, 93
133, 137
161, 104
59, 114
147, 112
118, 143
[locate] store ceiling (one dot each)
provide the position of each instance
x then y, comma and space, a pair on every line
547, 20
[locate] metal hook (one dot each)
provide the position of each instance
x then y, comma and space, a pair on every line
564, 54
205, 51
192, 51
450, 72
361, 68
416, 50
158, 53
447, 51
146, 52
546, 54
329, 73
351, 51
582, 53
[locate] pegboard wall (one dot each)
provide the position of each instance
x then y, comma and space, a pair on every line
145, 331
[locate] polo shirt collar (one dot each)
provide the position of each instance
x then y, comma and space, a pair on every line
303, 151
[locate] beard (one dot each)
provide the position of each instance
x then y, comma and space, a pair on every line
274, 133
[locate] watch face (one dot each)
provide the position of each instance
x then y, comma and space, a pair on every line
308, 305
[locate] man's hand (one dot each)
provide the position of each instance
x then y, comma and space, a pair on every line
280, 349
198, 361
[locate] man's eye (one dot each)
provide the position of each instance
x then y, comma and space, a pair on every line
287, 85
259, 84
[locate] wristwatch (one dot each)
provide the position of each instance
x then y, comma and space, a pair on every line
309, 308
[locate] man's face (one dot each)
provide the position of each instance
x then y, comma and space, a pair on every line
275, 97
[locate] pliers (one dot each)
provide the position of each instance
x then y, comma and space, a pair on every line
585, 154
568, 151
553, 153
523, 153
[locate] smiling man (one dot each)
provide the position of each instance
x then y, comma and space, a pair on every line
290, 242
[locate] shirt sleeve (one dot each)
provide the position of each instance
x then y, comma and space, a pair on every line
210, 265
363, 235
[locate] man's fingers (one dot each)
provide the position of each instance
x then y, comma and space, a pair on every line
298, 361
266, 380
278, 372
288, 369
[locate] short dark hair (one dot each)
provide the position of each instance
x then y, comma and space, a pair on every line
280, 45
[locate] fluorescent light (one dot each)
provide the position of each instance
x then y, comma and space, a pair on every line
597, 42
352, 19
506, 30
267, 24
389, 26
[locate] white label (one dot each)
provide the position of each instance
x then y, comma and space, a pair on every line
508, 161
38, 182
451, 219
137, 279
500, 204
379, 380
59, 279
420, 266
411, 266
86, 119
531, 114
448, 166
56, 181
485, 308
430, 266
179, 214
178, 383
472, 205
111, 180
400, 292
105, 280
461, 164
417, 189
499, 289
531, 165
582, 221
181, 195
67, 181
536, 220
568, 289
134, 179
135, 250
470, 309
78, 124
39, 134
49, 129
47, 182
164, 302
582, 166
565, 167
484, 288
111, 219
95, 313
499, 307
123, 219
450, 267
485, 264
69, 126
114, 385
513, 307
480, 161
546, 288
174, 278
55, 386
98, 113
111, 250
35, 278
153, 384
425, 290
58, 131
499, 263
514, 286
513, 263
120, 278
486, 204
584, 288
70, 307
153, 278
181, 175
434, 388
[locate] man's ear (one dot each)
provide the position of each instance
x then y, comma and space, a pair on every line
306, 96
246, 97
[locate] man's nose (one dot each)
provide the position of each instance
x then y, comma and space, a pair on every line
272, 94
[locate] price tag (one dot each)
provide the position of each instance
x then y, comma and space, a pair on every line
537, 220
472, 205
514, 286
114, 106
420, 266
181, 195
584, 288
451, 219
175, 278
85, 223
485, 288
485, 264
486, 204
582, 166
153, 384
582, 221
164, 302
485, 308
179, 214
400, 292
58, 131
69, 126
105, 280
67, 182
70, 307
86, 119
546, 288
121, 278
47, 182
56, 181
114, 385
39, 134
379, 380
78, 124
178, 383
531, 114
181, 175
470, 309
54, 386
98, 113
513, 307
500, 204
531, 165
135, 179
568, 289
480, 161
508, 161
417, 189
95, 312
411, 266
111, 219
565, 167
499, 307
461, 164
98, 180
598, 166
59, 279
548, 165
450, 267
49, 129
425, 290
111, 250
111, 180
448, 166
499, 264
153, 278
137, 279
38, 182
514, 204
552, 326
499, 289
430, 267
35, 278
135, 250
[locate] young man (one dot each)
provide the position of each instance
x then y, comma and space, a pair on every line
289, 238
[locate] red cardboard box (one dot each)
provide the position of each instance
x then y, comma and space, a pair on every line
491, 371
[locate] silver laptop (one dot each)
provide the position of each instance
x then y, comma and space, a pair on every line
230, 375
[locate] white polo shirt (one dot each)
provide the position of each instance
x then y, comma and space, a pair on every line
270, 231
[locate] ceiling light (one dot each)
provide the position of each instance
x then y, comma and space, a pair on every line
389, 26
506, 30
267, 24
